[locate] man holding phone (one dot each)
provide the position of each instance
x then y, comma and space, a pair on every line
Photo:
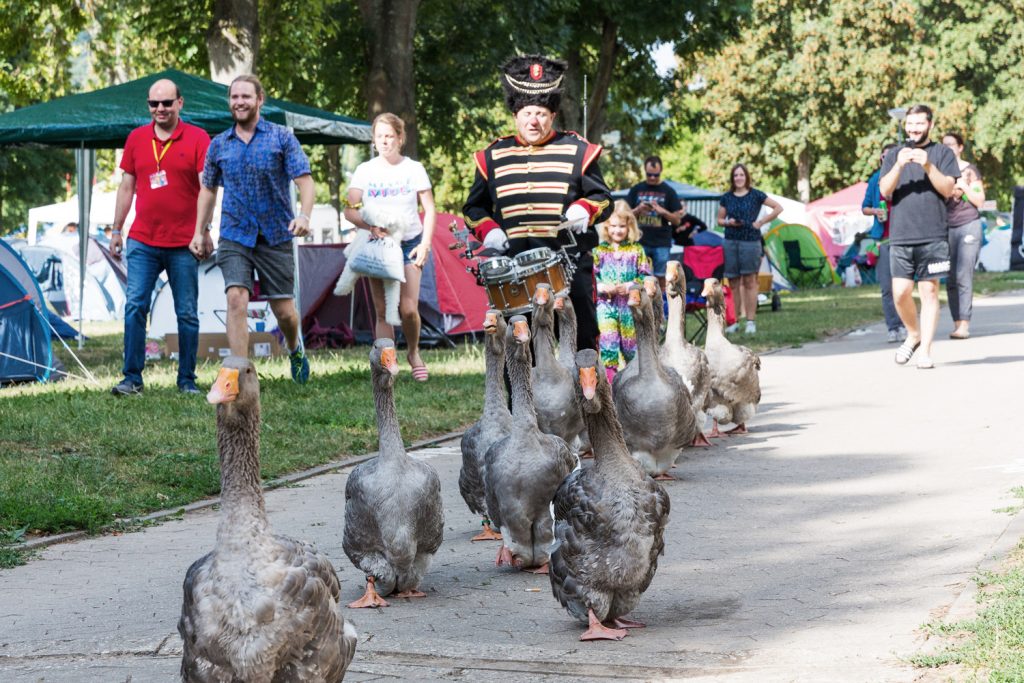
162, 163
658, 210
918, 178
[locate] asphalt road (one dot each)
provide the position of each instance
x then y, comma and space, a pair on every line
813, 549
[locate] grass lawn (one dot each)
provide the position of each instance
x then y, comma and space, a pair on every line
72, 456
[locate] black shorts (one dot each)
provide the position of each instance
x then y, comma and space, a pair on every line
275, 266
928, 261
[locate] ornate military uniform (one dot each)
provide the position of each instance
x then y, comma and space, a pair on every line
526, 189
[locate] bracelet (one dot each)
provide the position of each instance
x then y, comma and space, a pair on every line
302, 215
350, 205
208, 227
115, 232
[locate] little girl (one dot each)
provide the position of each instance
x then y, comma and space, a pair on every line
619, 261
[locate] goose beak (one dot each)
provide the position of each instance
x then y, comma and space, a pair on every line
588, 382
388, 362
634, 297
672, 274
490, 323
559, 303
225, 389
521, 331
709, 287
541, 296
649, 285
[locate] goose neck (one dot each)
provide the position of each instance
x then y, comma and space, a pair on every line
238, 443
495, 400
388, 430
518, 366
675, 333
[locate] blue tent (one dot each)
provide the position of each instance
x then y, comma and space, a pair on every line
25, 351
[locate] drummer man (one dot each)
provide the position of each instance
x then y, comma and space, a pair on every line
528, 183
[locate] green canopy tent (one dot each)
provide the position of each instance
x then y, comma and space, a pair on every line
102, 119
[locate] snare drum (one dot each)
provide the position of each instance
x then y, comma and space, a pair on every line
533, 270
505, 290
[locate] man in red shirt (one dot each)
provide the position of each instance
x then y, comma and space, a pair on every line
162, 163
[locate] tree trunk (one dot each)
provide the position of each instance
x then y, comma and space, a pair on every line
390, 26
334, 177
598, 97
571, 110
803, 175
233, 39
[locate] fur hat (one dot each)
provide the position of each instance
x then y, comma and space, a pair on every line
533, 80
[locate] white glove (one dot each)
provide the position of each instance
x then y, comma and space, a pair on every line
497, 240
579, 218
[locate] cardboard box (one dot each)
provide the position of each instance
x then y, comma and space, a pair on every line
214, 346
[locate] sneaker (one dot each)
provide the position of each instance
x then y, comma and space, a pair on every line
893, 337
126, 388
189, 388
902, 333
732, 328
300, 366
751, 328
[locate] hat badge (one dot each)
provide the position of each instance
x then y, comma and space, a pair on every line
536, 72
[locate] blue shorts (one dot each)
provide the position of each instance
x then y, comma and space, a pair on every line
742, 257
407, 247
659, 259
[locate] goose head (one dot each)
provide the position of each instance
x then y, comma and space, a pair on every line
543, 304
674, 280
638, 301
518, 336
652, 287
383, 362
712, 293
562, 302
494, 328
590, 377
236, 391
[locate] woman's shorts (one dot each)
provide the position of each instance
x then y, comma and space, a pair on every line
407, 247
742, 257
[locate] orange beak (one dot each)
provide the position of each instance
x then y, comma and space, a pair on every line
387, 359
672, 274
559, 303
541, 296
649, 286
521, 331
709, 287
225, 389
588, 382
634, 297
490, 323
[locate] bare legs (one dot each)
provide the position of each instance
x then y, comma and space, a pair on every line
902, 294
408, 310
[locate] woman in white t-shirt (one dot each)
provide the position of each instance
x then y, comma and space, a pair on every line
398, 184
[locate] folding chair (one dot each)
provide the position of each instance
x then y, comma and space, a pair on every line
700, 262
804, 270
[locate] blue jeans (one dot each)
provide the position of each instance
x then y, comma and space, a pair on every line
145, 263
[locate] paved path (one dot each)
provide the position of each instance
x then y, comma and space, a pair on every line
811, 550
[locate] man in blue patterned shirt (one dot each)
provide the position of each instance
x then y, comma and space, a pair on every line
254, 161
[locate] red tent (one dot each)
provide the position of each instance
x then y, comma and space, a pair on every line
451, 303
837, 218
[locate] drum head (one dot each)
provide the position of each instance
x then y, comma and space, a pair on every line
497, 268
538, 255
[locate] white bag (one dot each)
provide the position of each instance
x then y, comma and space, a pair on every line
380, 258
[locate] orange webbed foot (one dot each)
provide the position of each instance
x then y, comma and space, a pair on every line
599, 631
622, 622
664, 476
543, 569
715, 433
370, 598
411, 593
700, 440
738, 429
504, 557
488, 534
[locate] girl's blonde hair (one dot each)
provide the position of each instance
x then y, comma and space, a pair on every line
625, 214
396, 123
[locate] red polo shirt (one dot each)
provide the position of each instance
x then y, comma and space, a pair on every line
165, 216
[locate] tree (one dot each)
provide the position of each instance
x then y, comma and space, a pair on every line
233, 39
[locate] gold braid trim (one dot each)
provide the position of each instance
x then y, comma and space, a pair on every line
533, 88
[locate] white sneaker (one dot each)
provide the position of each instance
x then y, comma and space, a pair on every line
732, 328
893, 337
902, 333
751, 328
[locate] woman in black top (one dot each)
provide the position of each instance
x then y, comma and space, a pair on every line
964, 238
738, 214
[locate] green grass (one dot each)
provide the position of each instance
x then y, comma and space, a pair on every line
73, 457
988, 647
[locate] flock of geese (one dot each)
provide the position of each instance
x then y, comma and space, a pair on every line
265, 608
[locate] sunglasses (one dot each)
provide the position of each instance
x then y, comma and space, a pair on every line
654, 175
153, 104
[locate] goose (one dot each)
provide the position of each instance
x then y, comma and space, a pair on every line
653, 289
524, 469
552, 383
735, 386
677, 353
259, 607
393, 515
567, 330
494, 423
609, 520
647, 398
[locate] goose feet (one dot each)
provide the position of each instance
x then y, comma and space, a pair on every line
504, 557
587, 454
664, 476
738, 429
488, 534
599, 631
411, 593
700, 440
370, 598
714, 430
622, 622
543, 569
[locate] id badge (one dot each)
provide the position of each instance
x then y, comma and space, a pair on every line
158, 180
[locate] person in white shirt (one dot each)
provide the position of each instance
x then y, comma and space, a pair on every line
399, 185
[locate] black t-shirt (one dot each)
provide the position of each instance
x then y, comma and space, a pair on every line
918, 213
655, 231
689, 225
961, 211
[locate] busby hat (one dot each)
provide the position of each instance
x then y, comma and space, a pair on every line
533, 80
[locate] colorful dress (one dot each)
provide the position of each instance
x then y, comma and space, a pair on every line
626, 265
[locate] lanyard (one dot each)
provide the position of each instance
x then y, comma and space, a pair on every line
162, 154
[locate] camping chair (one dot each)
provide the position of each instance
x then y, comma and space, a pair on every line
804, 270
700, 262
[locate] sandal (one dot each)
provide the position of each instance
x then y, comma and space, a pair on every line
905, 351
959, 335
925, 363
420, 373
